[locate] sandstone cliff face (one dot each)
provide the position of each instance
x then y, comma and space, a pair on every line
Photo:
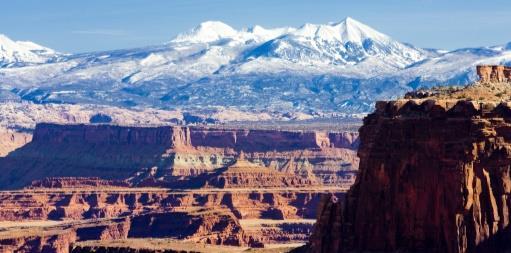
11, 140
434, 177
174, 136
59, 238
159, 156
494, 73
47, 204
256, 140
191, 184
215, 227
218, 227
210, 217
55, 243
244, 174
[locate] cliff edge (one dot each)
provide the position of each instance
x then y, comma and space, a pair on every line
434, 176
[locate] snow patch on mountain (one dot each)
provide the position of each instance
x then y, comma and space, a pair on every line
216, 31
22, 53
207, 32
314, 70
345, 43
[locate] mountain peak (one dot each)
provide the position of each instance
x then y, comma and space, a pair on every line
6, 42
207, 32
348, 42
348, 30
22, 52
349, 19
356, 31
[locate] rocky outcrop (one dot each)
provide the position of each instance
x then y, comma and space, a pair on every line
244, 174
53, 243
328, 234
348, 140
434, 177
218, 227
170, 155
58, 238
279, 232
55, 204
494, 73
215, 227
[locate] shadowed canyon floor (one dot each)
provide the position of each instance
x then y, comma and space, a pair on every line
74, 184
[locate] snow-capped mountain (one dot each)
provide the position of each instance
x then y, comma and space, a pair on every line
346, 43
22, 53
316, 69
214, 31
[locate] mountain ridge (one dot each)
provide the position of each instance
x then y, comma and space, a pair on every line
316, 69
22, 53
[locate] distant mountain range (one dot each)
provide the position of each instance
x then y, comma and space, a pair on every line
316, 70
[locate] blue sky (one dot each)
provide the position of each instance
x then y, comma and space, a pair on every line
92, 25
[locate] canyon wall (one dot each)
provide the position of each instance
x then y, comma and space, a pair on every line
175, 136
162, 155
210, 227
11, 140
434, 177
494, 73
84, 183
77, 204
52, 219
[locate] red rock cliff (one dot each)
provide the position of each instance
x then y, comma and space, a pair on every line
434, 177
494, 73
239, 139
159, 155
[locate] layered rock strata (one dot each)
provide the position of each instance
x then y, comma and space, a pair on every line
278, 231
214, 227
76, 204
174, 156
57, 238
494, 73
208, 216
434, 177
244, 174
191, 184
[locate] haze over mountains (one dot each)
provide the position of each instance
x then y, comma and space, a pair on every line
317, 70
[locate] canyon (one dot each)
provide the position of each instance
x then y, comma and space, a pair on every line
174, 156
434, 175
69, 185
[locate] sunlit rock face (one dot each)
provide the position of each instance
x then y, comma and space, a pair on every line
234, 187
170, 155
434, 177
11, 140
